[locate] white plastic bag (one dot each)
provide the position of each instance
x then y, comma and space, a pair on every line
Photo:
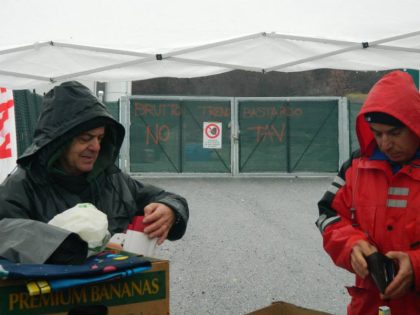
87, 221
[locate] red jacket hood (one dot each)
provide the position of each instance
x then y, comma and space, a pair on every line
395, 94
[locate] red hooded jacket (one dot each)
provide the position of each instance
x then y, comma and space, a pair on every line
387, 204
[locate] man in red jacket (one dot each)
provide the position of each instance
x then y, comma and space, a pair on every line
373, 204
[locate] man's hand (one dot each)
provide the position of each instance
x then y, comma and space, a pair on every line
160, 219
404, 279
358, 262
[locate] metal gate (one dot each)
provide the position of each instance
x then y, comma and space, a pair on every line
296, 135
165, 135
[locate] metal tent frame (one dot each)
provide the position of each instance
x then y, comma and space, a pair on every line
205, 56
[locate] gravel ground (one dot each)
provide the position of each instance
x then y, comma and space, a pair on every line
249, 242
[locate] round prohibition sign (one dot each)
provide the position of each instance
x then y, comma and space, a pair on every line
212, 131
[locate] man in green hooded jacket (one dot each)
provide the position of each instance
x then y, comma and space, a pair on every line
71, 161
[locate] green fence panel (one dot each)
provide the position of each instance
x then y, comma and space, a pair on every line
354, 108
167, 136
28, 106
114, 109
314, 137
195, 157
155, 136
288, 136
262, 137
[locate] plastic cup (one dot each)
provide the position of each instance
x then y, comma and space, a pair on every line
136, 241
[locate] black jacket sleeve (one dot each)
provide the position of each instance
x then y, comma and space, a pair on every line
145, 194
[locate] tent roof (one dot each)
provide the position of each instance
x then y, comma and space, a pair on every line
44, 42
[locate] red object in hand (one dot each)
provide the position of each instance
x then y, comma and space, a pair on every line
137, 224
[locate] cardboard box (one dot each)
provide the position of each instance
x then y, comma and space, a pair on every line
283, 308
146, 293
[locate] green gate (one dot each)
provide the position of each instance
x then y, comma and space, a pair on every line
166, 135
270, 135
288, 135
354, 108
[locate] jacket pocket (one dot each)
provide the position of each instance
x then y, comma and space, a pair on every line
412, 228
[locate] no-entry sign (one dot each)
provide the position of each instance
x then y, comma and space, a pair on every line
212, 135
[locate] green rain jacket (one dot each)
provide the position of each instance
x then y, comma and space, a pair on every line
36, 191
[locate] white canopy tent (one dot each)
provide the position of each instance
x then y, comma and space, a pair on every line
44, 42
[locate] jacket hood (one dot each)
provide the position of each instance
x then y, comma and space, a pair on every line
68, 110
394, 94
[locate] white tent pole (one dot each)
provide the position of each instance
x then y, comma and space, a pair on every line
340, 42
373, 44
316, 57
150, 57
25, 75
394, 38
377, 44
105, 68
215, 64
171, 56
353, 46
310, 39
396, 48
211, 45
102, 49
22, 48
78, 47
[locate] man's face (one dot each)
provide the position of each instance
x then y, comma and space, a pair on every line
81, 154
399, 144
